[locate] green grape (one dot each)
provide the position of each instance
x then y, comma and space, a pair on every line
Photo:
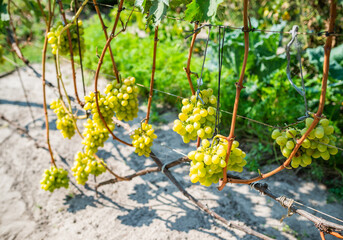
95, 136
54, 178
208, 161
197, 118
275, 134
63, 48
64, 121
123, 97
315, 146
86, 164
143, 139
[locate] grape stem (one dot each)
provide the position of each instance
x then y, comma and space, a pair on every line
317, 116
43, 83
239, 87
152, 76
120, 8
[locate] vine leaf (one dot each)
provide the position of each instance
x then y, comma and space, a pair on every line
157, 9
199, 10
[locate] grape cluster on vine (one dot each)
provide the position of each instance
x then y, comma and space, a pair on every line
314, 146
64, 121
197, 117
208, 161
142, 139
86, 164
124, 98
54, 178
95, 135
106, 108
64, 43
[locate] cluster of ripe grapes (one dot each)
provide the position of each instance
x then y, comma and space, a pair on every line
124, 98
208, 161
86, 164
64, 121
197, 117
54, 178
142, 139
314, 146
64, 44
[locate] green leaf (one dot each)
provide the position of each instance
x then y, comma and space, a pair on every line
158, 11
199, 10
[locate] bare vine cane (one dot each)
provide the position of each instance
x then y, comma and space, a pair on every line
96, 77
317, 116
302, 91
115, 69
151, 92
80, 52
199, 80
71, 53
43, 82
221, 38
187, 69
239, 87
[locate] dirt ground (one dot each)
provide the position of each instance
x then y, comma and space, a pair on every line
148, 207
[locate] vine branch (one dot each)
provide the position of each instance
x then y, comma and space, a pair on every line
239, 87
70, 51
115, 69
151, 92
188, 68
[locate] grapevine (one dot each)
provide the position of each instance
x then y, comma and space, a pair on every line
197, 117
197, 120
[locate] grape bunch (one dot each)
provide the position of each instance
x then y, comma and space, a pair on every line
312, 147
142, 139
64, 121
106, 108
64, 44
197, 118
95, 135
54, 178
1, 54
124, 98
208, 161
86, 164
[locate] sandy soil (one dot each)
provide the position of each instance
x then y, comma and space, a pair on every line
148, 207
